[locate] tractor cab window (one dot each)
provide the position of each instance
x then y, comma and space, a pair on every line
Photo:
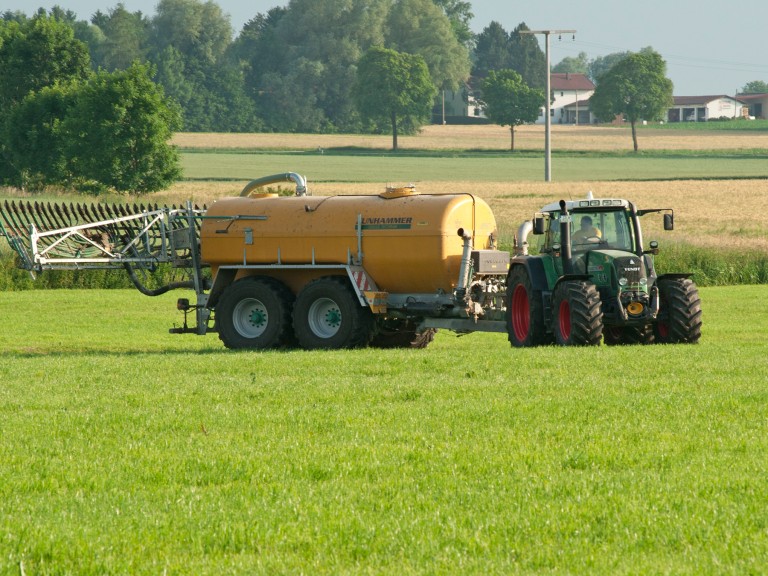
594, 230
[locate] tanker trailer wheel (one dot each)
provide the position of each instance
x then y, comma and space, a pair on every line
680, 312
255, 313
577, 319
328, 314
525, 311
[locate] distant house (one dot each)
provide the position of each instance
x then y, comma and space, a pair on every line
757, 104
569, 91
578, 113
703, 108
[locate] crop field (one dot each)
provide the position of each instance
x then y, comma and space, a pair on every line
491, 137
128, 450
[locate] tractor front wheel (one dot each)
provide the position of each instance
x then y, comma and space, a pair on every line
577, 319
680, 315
327, 314
525, 311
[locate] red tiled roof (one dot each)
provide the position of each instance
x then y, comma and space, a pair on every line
566, 81
580, 104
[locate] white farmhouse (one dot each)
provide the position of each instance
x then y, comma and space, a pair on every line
568, 91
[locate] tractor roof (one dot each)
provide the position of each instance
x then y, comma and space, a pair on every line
588, 203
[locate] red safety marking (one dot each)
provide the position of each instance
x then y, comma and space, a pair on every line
361, 280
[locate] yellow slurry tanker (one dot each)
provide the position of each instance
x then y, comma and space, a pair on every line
319, 272
269, 271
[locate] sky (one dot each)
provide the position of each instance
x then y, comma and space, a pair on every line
710, 48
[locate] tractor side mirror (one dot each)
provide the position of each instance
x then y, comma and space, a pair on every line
538, 225
669, 221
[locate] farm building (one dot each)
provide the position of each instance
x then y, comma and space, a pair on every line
703, 108
757, 104
569, 91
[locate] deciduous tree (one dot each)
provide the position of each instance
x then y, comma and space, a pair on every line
459, 13
33, 140
509, 101
40, 52
636, 88
34, 54
118, 131
755, 87
391, 85
420, 27
573, 65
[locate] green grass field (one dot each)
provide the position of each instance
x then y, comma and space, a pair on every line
337, 166
127, 450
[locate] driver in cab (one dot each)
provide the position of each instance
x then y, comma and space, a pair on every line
587, 233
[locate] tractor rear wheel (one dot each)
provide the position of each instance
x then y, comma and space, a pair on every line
680, 315
525, 311
327, 314
577, 319
255, 313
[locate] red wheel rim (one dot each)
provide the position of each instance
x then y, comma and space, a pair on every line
521, 313
564, 320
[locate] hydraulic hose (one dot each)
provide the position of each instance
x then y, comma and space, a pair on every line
157, 291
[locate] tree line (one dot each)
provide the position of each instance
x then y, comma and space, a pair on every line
91, 103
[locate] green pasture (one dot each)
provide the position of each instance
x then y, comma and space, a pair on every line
127, 450
345, 166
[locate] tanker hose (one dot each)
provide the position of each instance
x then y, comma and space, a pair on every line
157, 291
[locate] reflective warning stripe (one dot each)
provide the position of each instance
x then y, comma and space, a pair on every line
361, 280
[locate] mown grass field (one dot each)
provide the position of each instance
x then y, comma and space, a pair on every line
127, 450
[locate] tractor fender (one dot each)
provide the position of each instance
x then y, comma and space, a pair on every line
535, 268
569, 277
673, 275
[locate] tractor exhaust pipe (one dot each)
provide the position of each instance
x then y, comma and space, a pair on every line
565, 238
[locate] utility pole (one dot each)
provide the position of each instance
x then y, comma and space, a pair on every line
547, 109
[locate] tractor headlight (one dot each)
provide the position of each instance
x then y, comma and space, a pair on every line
622, 281
643, 281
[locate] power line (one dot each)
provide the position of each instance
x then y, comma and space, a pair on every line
577, 46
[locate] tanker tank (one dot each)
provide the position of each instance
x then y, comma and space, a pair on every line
409, 241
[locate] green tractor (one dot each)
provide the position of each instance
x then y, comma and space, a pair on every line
593, 281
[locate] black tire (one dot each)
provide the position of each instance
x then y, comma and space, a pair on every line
403, 338
577, 318
328, 315
679, 320
255, 312
617, 335
525, 311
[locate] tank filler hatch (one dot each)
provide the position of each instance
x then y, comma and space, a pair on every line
399, 192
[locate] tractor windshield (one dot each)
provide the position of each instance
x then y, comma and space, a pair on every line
592, 230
